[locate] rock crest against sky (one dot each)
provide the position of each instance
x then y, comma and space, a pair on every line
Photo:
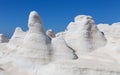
84, 30
84, 48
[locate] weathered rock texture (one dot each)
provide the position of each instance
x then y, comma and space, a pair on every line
3, 39
84, 48
83, 35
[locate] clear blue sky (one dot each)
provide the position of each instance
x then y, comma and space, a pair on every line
56, 14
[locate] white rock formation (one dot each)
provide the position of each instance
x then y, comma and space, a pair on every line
84, 48
17, 38
61, 50
83, 35
36, 45
112, 33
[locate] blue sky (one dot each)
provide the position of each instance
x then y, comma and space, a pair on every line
55, 14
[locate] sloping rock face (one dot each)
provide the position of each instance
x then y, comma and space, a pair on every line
112, 32
17, 38
61, 50
84, 48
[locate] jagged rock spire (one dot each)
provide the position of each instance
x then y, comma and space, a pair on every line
36, 44
35, 22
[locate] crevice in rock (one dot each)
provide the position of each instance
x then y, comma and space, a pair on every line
74, 52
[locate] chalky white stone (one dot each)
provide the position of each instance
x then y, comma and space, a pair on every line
17, 38
84, 48
36, 44
83, 35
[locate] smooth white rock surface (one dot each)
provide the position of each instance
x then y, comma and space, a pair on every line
17, 38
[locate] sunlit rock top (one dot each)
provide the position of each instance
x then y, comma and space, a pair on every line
83, 35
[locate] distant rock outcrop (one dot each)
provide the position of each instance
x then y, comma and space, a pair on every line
50, 33
17, 38
3, 39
